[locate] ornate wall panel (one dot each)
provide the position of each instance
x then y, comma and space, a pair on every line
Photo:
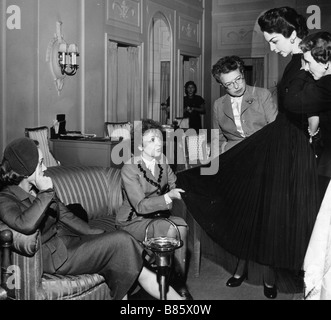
126, 14
232, 2
239, 35
189, 31
196, 3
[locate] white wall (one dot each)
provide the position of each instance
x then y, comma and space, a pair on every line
28, 95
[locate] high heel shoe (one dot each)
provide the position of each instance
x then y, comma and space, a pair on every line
270, 292
236, 282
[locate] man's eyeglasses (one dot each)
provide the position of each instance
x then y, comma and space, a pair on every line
238, 80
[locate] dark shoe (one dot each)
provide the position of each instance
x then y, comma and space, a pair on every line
184, 293
270, 293
236, 282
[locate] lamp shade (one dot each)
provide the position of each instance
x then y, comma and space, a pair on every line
63, 47
73, 48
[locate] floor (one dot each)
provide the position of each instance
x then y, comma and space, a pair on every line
210, 285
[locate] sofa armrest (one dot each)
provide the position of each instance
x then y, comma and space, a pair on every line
6, 241
29, 271
3, 294
21, 273
23, 244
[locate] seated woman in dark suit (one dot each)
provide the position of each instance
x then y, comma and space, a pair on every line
149, 187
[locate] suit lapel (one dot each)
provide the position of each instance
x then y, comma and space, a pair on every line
227, 107
248, 99
156, 171
148, 172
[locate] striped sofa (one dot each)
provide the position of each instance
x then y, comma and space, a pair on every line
98, 190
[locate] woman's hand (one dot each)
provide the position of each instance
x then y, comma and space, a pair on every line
175, 193
43, 182
96, 231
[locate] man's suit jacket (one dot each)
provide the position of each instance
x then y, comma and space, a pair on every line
257, 110
143, 193
25, 214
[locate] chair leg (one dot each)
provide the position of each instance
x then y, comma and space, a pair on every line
6, 241
196, 247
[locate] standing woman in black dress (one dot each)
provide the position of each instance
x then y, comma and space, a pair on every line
194, 106
262, 204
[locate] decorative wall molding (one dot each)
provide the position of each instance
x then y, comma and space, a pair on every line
193, 3
53, 59
189, 31
239, 35
232, 2
126, 14
3, 80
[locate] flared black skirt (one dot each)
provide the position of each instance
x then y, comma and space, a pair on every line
262, 203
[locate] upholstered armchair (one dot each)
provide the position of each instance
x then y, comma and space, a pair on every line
195, 152
6, 241
41, 134
118, 130
98, 190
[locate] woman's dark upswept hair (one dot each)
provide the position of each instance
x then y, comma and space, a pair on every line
319, 45
226, 65
283, 20
144, 125
149, 124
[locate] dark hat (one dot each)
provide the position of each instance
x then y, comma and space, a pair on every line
22, 155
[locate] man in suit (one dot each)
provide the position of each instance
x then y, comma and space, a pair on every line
149, 190
243, 110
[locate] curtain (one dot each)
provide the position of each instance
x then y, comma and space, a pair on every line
124, 83
165, 88
112, 77
258, 72
180, 101
134, 85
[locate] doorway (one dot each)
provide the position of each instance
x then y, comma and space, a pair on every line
189, 71
160, 56
123, 82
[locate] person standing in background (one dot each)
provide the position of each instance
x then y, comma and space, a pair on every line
194, 106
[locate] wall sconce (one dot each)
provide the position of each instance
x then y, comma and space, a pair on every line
68, 59
61, 57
